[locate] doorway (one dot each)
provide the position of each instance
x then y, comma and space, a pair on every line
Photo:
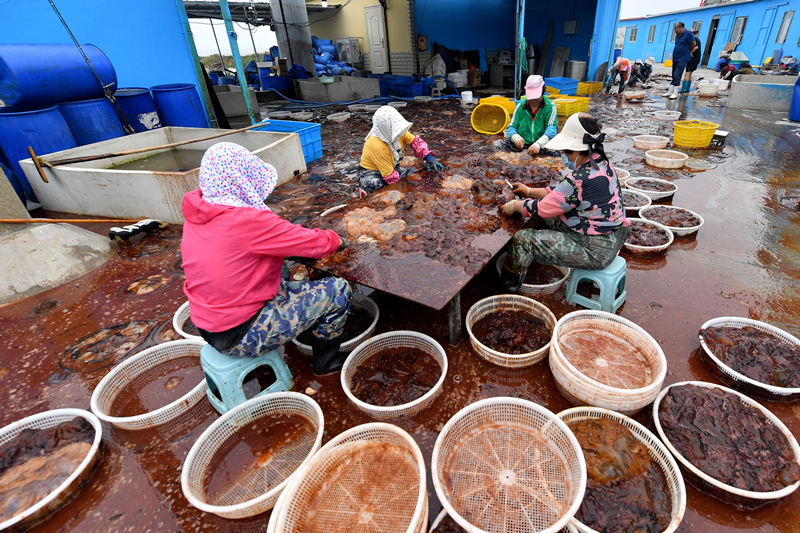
712, 32
376, 39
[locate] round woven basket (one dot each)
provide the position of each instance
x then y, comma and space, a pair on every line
739, 381
622, 175
398, 105
509, 302
634, 95
302, 115
259, 492
650, 250
394, 339
659, 453
69, 488
694, 133
178, 321
665, 158
581, 389
654, 196
650, 142
643, 197
493, 451
339, 117
403, 509
359, 302
679, 232
714, 486
489, 118
528, 289
121, 375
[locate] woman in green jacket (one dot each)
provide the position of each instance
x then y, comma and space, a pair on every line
534, 123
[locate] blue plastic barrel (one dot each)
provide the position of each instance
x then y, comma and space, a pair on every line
327, 49
139, 108
794, 110
92, 121
325, 58
45, 130
36, 75
179, 104
324, 42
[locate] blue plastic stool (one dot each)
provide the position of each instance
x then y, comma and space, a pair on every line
225, 376
611, 280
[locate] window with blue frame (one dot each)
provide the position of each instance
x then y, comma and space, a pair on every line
633, 34
784, 29
738, 29
652, 34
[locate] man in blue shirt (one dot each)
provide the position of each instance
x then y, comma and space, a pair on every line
685, 46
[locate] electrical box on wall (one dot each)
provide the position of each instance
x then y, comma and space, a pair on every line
570, 27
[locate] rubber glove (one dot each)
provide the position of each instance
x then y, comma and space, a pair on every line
521, 189
342, 244
433, 164
510, 208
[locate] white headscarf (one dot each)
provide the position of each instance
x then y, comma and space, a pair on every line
389, 125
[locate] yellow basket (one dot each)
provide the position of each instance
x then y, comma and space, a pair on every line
489, 118
668, 63
507, 103
551, 90
590, 87
694, 133
569, 105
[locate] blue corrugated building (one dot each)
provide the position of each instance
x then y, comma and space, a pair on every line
759, 27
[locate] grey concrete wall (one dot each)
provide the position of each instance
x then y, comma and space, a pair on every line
10, 204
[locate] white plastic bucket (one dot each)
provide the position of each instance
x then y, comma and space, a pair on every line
466, 97
722, 85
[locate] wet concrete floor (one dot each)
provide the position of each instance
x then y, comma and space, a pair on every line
743, 262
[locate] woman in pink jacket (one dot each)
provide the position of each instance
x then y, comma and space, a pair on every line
233, 249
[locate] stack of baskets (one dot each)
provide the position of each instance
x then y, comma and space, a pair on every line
569, 105
589, 87
616, 369
694, 133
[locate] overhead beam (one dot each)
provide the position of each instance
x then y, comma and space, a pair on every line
255, 13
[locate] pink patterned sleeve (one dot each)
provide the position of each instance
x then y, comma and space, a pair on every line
551, 206
393, 177
420, 147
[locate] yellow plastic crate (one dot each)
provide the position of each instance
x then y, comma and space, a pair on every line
551, 90
489, 118
694, 133
506, 103
591, 87
668, 63
569, 105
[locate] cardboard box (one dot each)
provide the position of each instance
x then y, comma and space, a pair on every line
463, 64
473, 78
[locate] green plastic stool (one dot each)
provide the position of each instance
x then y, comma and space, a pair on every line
225, 376
611, 280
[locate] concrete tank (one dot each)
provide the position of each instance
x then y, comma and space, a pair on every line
136, 189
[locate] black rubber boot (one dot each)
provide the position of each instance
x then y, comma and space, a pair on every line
327, 359
510, 282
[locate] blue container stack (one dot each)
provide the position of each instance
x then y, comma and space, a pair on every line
179, 104
139, 108
383, 82
310, 136
92, 121
45, 130
566, 86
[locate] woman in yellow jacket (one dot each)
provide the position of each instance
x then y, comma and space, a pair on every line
385, 147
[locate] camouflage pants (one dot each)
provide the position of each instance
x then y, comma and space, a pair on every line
370, 181
320, 305
560, 245
506, 145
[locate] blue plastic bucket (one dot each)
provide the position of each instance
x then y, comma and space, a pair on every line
214, 77
36, 75
92, 121
179, 104
139, 108
45, 130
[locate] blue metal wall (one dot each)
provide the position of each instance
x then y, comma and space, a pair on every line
471, 24
144, 39
758, 40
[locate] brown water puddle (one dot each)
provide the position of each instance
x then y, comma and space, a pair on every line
742, 263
